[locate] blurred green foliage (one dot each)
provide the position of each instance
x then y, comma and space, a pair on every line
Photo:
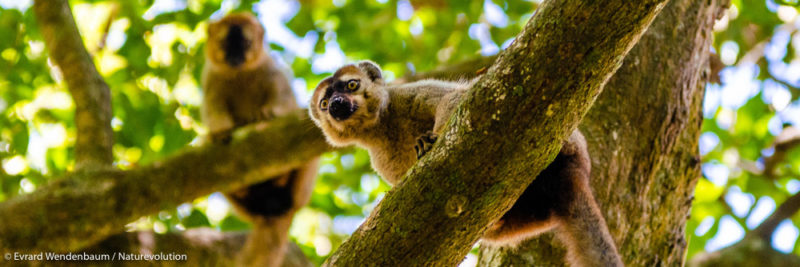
755, 102
151, 55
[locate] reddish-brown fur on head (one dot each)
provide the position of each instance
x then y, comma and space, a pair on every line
235, 41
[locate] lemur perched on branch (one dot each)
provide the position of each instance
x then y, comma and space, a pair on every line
242, 85
397, 124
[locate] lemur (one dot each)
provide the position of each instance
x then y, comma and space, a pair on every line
398, 124
242, 85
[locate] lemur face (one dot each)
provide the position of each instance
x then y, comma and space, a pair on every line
348, 101
236, 41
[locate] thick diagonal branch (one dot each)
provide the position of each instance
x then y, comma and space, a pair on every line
89, 91
506, 130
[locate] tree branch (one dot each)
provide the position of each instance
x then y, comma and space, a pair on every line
786, 210
747, 252
85, 207
642, 134
788, 139
515, 117
463, 70
756, 247
89, 91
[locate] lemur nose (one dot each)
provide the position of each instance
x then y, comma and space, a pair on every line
340, 108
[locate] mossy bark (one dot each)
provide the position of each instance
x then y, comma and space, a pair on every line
642, 135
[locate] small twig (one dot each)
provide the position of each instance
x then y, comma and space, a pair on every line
756, 53
464, 70
792, 89
784, 211
785, 141
107, 27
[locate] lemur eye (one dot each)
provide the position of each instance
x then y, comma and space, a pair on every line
323, 104
352, 85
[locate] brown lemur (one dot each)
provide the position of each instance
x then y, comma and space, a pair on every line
243, 85
397, 124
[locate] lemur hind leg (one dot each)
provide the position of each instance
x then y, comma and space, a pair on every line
271, 205
561, 199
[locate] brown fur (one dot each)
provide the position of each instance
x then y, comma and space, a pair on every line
218, 30
397, 116
238, 95
561, 199
269, 238
389, 120
252, 90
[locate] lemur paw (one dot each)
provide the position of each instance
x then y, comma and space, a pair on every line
425, 143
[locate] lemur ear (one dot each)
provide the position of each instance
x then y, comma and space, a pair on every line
372, 70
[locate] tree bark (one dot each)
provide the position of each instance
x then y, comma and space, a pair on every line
82, 208
642, 134
508, 127
89, 91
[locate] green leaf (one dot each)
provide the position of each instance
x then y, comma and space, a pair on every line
195, 219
